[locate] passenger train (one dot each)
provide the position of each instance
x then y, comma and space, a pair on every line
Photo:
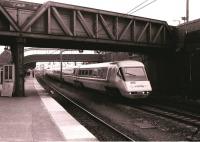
127, 78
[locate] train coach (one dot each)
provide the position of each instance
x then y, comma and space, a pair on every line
127, 78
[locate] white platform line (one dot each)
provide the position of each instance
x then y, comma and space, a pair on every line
71, 129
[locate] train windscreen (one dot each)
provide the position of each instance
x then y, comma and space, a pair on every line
134, 74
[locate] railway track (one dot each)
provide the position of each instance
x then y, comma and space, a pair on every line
189, 119
110, 133
170, 113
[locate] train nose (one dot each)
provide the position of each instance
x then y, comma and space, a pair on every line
143, 92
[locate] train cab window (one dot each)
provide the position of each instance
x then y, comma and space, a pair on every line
134, 73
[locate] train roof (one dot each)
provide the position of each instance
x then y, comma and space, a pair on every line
128, 63
125, 63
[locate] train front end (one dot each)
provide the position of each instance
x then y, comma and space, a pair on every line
136, 83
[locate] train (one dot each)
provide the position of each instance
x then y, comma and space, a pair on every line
126, 78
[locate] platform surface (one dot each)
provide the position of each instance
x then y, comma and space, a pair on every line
38, 118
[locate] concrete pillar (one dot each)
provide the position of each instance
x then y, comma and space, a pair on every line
18, 58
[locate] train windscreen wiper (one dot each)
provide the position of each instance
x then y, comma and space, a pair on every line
130, 74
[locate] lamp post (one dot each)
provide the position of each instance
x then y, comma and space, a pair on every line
187, 11
61, 60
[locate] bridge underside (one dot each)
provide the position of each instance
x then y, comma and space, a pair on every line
64, 58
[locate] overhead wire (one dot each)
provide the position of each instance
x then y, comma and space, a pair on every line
135, 10
143, 6
137, 6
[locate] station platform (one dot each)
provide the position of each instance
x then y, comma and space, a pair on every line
38, 118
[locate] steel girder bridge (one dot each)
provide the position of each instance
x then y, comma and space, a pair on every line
67, 26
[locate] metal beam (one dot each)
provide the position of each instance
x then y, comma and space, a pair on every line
74, 22
157, 34
9, 18
61, 22
125, 29
27, 24
106, 27
96, 25
142, 33
84, 24
116, 29
49, 20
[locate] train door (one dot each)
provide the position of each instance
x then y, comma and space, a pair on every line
8, 80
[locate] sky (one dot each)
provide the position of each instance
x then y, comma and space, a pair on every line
167, 10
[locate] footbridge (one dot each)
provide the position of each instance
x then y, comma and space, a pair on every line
59, 25
63, 57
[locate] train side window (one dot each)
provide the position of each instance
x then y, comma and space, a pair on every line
74, 72
104, 72
95, 73
90, 72
79, 72
85, 73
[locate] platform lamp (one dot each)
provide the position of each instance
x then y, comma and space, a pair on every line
61, 60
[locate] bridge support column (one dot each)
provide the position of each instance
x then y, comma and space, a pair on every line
18, 58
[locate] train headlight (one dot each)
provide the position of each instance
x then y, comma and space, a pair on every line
146, 92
